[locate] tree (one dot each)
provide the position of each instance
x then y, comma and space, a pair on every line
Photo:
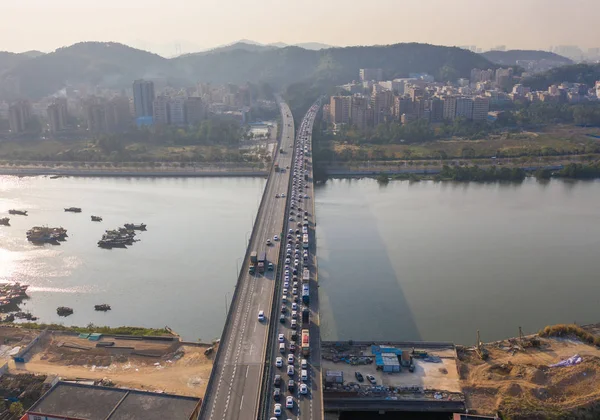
16, 409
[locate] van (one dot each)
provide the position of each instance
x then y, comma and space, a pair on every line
304, 375
282, 347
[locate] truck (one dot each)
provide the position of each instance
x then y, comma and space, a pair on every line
277, 167
253, 260
305, 344
305, 316
305, 275
305, 294
262, 259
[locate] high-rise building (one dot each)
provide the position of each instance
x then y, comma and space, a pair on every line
358, 111
177, 111
340, 109
402, 105
464, 108
436, 107
194, 110
481, 107
160, 109
382, 103
95, 116
370, 74
504, 77
143, 98
117, 114
19, 114
57, 115
450, 108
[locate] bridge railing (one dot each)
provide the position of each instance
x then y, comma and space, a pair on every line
221, 351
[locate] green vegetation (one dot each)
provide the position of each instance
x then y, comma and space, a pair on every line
509, 58
383, 179
580, 171
113, 65
577, 73
139, 331
475, 173
569, 330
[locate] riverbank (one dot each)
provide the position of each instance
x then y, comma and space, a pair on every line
241, 171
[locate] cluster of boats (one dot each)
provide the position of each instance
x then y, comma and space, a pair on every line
120, 237
5, 221
47, 235
11, 292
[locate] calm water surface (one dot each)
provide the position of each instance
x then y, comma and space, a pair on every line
438, 261
180, 274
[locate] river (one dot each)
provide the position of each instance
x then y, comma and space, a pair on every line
180, 274
439, 261
406, 261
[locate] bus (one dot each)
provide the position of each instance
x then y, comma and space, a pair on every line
305, 343
305, 241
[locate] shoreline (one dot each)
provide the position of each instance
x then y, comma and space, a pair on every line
131, 173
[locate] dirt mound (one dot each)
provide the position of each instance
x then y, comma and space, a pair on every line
539, 377
513, 390
540, 393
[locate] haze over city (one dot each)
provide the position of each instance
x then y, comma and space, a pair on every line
182, 26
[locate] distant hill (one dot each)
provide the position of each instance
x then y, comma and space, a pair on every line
241, 45
32, 53
509, 58
113, 65
577, 73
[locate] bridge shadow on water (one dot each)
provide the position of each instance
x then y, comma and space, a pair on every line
360, 291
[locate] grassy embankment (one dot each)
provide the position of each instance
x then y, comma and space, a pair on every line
139, 331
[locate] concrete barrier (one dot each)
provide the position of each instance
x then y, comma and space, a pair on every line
21, 355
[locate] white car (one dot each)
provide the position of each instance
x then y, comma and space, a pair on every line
261, 316
290, 359
289, 402
279, 362
277, 410
290, 370
281, 338
303, 363
282, 195
303, 389
275, 238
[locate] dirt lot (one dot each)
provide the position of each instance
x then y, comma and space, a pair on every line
521, 385
12, 340
165, 366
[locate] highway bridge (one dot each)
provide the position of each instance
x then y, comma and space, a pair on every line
240, 383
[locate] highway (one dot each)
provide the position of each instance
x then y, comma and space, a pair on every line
234, 387
290, 302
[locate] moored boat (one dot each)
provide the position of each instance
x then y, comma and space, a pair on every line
96, 219
73, 209
5, 221
133, 226
18, 212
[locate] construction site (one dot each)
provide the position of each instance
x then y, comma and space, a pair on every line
163, 364
533, 377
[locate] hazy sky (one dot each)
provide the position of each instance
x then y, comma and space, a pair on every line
159, 25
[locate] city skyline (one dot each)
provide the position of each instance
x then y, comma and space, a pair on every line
187, 26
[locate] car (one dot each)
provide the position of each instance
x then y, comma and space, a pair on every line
282, 195
289, 402
261, 316
295, 298
276, 195
284, 298
305, 196
304, 375
294, 314
359, 376
304, 363
285, 291
295, 291
270, 267
286, 283
290, 370
277, 410
294, 324
281, 338
277, 380
277, 394
290, 359
291, 219
371, 379
275, 238
294, 306
291, 231
279, 362
283, 309
268, 242
288, 261
293, 347
282, 318
303, 389
291, 385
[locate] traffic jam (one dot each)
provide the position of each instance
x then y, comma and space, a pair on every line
291, 379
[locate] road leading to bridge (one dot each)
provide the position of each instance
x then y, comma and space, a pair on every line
234, 387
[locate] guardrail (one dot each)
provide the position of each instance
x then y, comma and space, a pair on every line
220, 350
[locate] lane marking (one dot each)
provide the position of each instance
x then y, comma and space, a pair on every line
242, 403
247, 369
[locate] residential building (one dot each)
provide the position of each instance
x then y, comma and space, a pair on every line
177, 111
340, 109
504, 78
95, 114
19, 115
143, 98
478, 75
450, 108
464, 108
160, 110
371, 74
413, 91
194, 110
70, 401
481, 107
117, 114
436, 107
462, 82
402, 105
358, 111
327, 113
381, 103
57, 115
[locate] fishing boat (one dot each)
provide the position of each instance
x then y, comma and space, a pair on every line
5, 221
73, 209
18, 212
64, 311
96, 219
133, 226
103, 307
